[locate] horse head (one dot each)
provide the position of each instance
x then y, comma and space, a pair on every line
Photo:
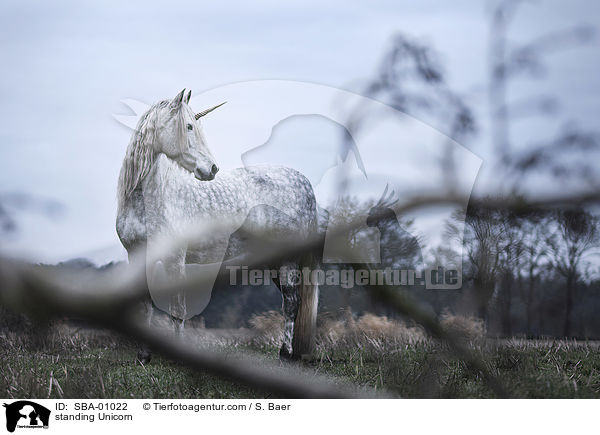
179, 136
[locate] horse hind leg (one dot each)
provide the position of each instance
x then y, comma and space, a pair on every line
290, 303
305, 324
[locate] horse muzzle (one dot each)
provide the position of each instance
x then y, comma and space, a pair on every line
204, 175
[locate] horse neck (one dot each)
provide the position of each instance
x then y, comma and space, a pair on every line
167, 172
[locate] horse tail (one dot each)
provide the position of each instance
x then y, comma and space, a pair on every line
305, 326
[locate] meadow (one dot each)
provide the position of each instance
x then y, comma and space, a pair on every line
371, 352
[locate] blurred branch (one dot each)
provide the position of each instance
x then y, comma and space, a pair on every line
411, 79
556, 156
110, 302
527, 57
507, 59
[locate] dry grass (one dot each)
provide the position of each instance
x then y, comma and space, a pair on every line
463, 327
267, 329
368, 332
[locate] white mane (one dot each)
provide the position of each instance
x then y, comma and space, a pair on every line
140, 153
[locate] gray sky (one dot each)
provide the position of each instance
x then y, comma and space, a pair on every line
67, 65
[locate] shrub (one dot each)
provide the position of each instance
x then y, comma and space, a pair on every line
464, 327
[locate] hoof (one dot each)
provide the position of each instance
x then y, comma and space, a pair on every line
144, 356
286, 355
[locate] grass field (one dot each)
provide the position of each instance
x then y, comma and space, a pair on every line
373, 353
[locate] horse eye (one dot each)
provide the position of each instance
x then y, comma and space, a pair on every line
190, 127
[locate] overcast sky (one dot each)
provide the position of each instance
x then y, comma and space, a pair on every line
67, 65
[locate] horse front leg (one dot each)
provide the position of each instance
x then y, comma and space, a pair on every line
149, 312
144, 354
168, 275
137, 262
175, 272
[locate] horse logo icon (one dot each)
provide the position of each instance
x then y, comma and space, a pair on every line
26, 414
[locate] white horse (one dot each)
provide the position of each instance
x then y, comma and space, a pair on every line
168, 184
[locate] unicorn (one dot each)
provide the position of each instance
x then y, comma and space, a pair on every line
170, 184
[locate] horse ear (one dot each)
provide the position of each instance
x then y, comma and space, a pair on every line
187, 97
176, 102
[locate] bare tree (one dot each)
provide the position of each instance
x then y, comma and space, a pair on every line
577, 233
534, 230
482, 243
510, 255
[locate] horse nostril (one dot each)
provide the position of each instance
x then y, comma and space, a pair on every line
214, 169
